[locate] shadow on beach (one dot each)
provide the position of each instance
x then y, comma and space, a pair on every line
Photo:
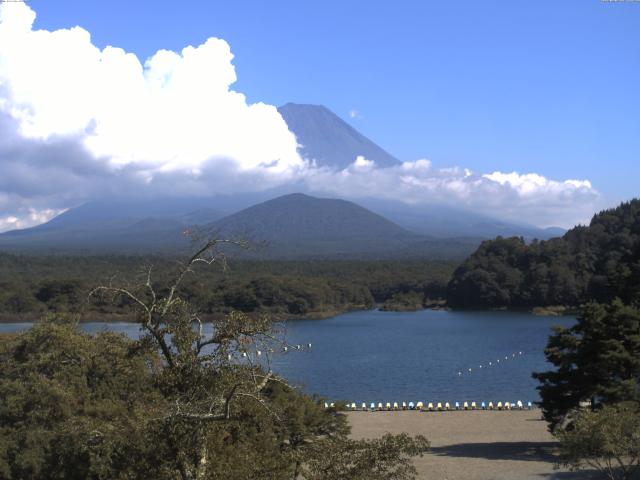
532, 451
515, 451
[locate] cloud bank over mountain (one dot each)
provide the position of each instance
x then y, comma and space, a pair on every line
78, 122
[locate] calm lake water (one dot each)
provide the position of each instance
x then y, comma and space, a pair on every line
373, 356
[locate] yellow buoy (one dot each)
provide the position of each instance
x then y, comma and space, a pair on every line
439, 407
473, 405
430, 407
465, 405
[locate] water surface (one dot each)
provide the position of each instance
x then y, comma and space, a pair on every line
379, 356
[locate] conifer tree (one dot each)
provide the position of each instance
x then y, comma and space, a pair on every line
597, 360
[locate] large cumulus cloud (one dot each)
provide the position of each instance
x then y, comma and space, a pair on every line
78, 122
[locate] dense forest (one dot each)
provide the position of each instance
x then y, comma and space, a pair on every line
597, 262
33, 285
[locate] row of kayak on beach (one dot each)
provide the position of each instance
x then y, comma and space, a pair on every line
437, 407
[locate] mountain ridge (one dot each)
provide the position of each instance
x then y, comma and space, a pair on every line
329, 140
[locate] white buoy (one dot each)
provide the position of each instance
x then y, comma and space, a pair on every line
229, 357
457, 406
499, 405
332, 405
388, 406
364, 407
326, 405
379, 405
284, 349
490, 405
483, 406
465, 405
419, 406
529, 406
244, 354
519, 403
404, 405
439, 407
459, 373
372, 407
447, 406
430, 407
309, 345
473, 405
469, 369
411, 406
353, 406
490, 363
259, 352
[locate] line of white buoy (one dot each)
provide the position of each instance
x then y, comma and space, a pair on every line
434, 406
490, 364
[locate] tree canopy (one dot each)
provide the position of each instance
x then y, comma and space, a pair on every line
192, 399
597, 262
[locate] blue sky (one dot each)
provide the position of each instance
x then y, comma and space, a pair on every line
547, 87
524, 111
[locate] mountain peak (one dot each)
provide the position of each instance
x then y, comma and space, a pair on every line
328, 139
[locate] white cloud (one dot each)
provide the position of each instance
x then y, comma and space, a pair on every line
529, 198
175, 112
78, 122
28, 218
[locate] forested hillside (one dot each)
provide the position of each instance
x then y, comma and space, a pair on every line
596, 262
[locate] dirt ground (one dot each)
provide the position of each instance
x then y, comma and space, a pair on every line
474, 445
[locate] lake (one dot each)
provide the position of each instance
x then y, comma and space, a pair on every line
374, 356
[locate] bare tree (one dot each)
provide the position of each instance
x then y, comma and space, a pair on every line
209, 364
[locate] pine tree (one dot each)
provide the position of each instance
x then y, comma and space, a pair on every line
596, 360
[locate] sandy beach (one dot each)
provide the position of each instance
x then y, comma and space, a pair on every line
474, 445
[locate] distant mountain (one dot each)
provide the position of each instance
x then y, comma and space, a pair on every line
328, 139
123, 225
443, 221
302, 226
331, 141
295, 225
290, 226
298, 224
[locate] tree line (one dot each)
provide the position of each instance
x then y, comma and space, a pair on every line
32, 286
